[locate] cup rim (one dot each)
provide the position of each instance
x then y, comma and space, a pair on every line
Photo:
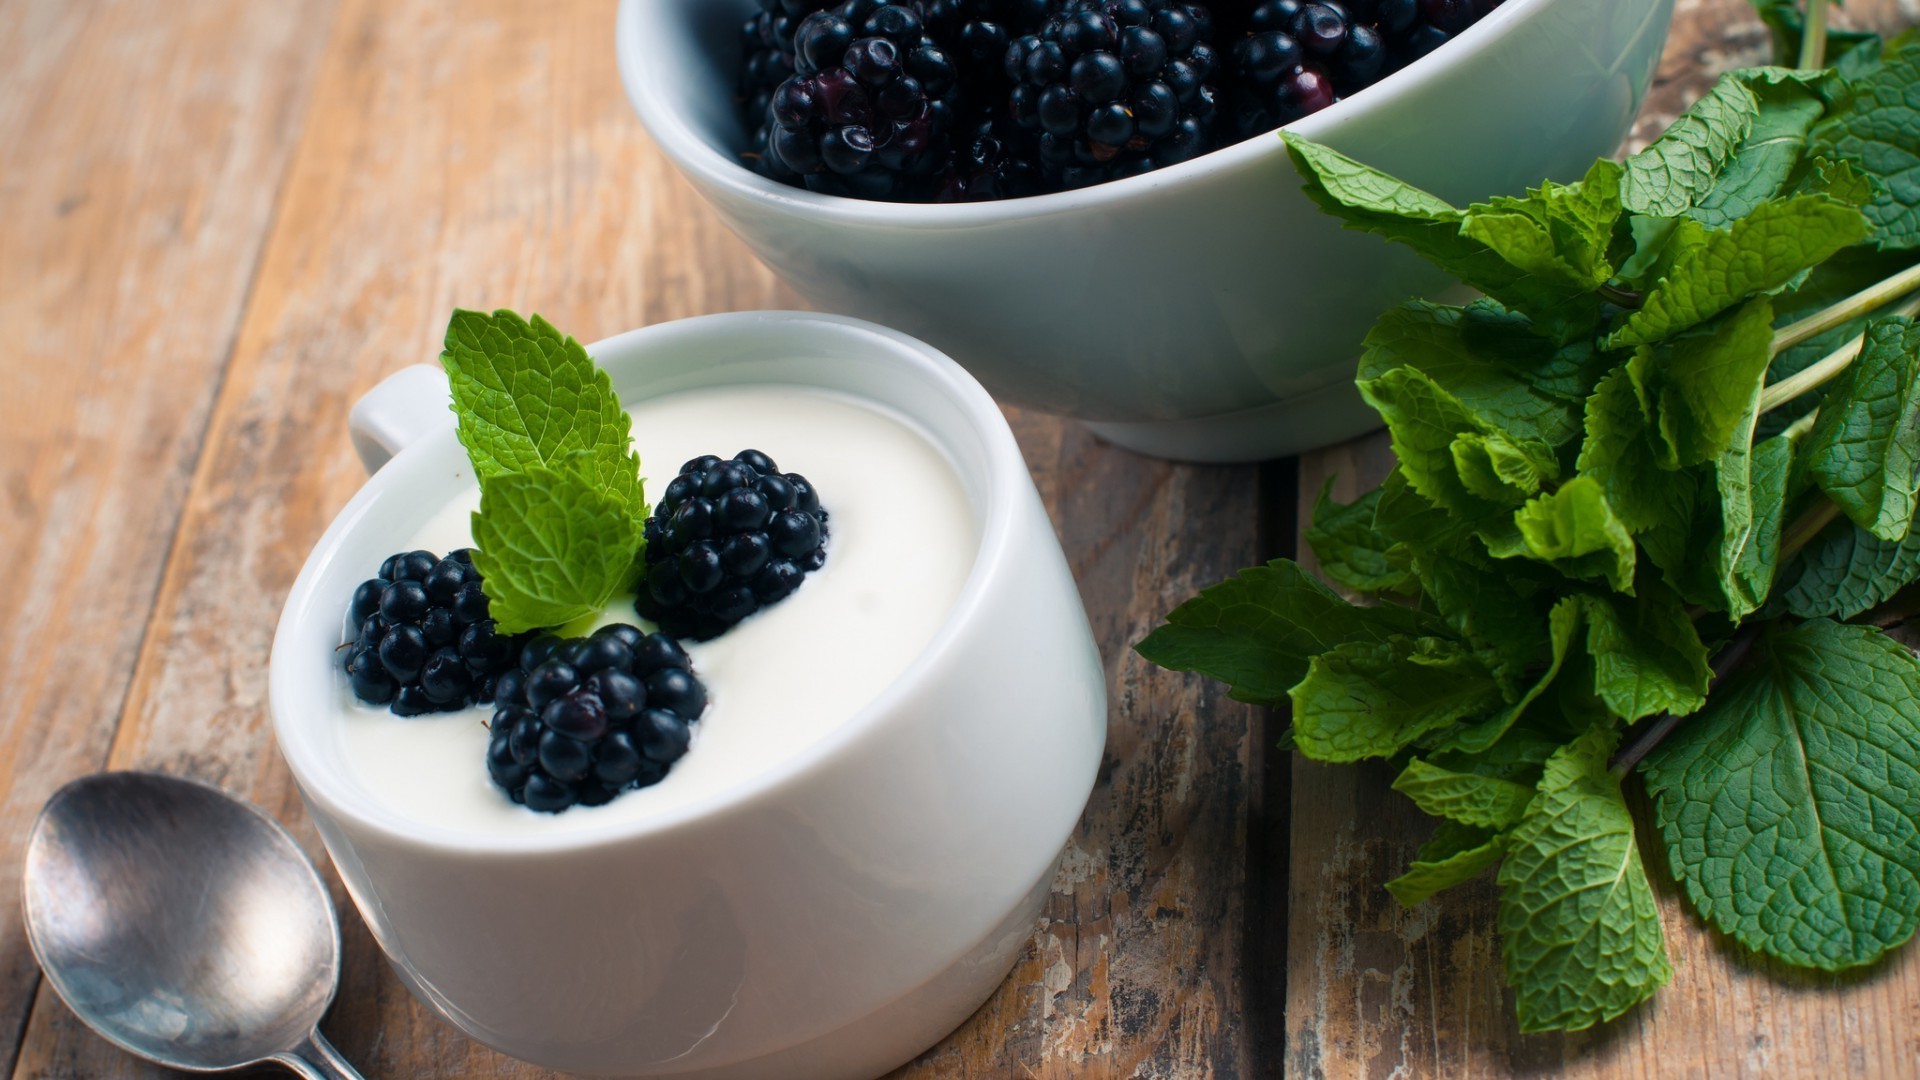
698, 157
292, 710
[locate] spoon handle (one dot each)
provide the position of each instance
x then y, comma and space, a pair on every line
316, 1059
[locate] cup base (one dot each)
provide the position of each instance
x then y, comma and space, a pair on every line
1323, 417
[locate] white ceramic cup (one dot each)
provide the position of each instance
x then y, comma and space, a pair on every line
830, 918
1207, 311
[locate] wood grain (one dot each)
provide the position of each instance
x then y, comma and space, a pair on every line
142, 161
1378, 990
485, 155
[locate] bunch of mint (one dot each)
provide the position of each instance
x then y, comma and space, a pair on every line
559, 530
1656, 490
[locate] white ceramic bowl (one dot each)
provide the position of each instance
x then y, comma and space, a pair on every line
1206, 311
830, 918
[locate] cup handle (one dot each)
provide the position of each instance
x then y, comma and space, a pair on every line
316, 1059
390, 417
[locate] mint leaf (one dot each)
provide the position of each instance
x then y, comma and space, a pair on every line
1457, 854
1371, 201
1749, 567
1558, 232
525, 394
1734, 148
1490, 603
1491, 361
1373, 699
1847, 570
1351, 551
552, 544
1864, 451
1622, 455
1706, 271
1878, 129
1647, 656
1702, 386
1423, 421
1468, 798
1478, 738
1850, 52
1581, 929
1575, 531
1257, 631
1791, 804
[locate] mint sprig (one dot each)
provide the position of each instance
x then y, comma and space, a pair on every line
558, 533
1637, 482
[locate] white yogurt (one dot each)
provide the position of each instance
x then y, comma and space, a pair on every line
902, 538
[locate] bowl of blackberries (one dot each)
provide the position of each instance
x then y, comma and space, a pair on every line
1086, 202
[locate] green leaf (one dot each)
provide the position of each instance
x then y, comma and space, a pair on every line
1750, 567
1574, 531
1490, 603
1369, 200
1724, 146
1468, 798
1477, 738
1373, 699
1577, 916
1622, 455
1492, 362
1647, 656
1411, 518
1791, 805
1456, 855
552, 544
1558, 232
1423, 420
1848, 570
1703, 386
1830, 283
1706, 271
1864, 451
1351, 551
1878, 129
1257, 631
526, 394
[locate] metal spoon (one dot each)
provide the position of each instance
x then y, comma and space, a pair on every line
184, 926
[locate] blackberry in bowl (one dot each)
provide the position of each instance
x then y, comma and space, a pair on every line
1203, 310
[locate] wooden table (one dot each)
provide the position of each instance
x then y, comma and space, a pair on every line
222, 220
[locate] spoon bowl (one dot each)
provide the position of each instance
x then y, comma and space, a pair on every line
182, 925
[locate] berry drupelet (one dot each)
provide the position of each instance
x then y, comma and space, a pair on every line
422, 641
727, 539
1299, 56
1115, 88
580, 720
869, 107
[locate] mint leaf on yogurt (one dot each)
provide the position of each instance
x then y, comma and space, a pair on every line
526, 394
553, 544
558, 534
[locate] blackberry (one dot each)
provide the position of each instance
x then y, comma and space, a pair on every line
727, 539
580, 720
766, 61
868, 108
994, 159
422, 641
1115, 87
1299, 56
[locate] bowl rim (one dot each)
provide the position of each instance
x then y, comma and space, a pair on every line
294, 700
695, 155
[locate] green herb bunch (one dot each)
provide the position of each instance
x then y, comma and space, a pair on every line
1653, 511
559, 532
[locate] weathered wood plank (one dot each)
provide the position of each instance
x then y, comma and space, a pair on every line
1377, 990
1136, 968
485, 155
142, 160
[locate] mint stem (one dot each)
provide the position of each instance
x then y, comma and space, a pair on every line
1813, 38
1620, 296
1827, 367
1860, 303
1805, 527
1729, 659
